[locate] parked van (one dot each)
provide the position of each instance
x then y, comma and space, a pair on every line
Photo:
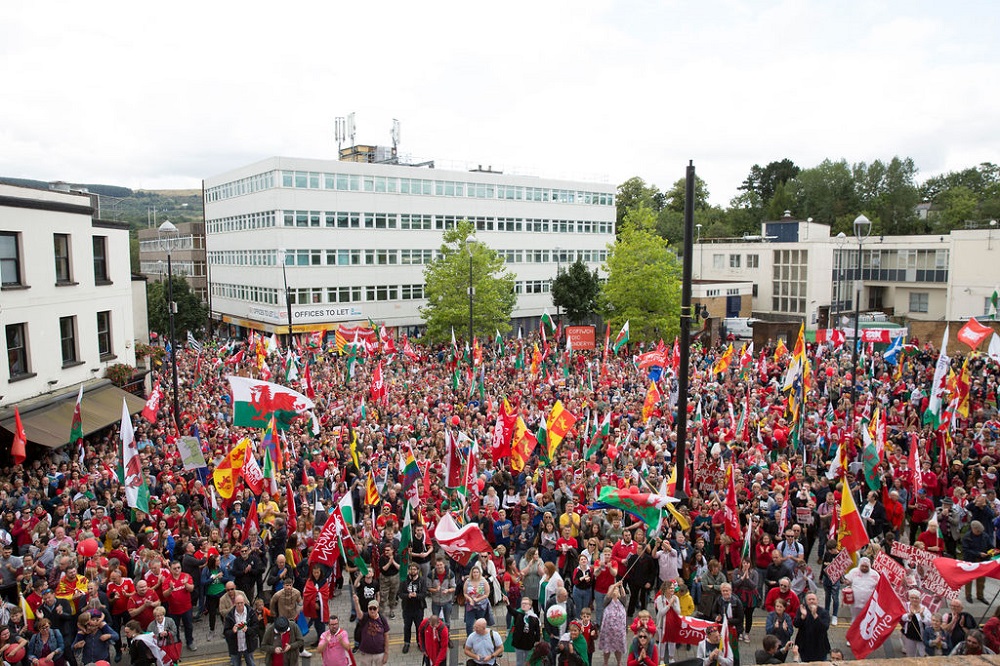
740, 327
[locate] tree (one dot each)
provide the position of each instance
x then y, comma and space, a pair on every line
644, 280
447, 288
675, 195
191, 313
634, 193
824, 192
889, 191
763, 182
576, 290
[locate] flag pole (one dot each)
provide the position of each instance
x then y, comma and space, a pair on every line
685, 332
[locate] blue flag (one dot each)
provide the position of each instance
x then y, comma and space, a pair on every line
892, 353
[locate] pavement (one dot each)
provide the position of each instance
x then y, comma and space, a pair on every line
212, 652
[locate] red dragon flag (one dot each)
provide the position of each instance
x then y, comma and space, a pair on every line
17, 448
378, 391
136, 489
460, 544
153, 403
877, 621
255, 402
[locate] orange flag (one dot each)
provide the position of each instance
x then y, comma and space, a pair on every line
522, 445
557, 425
851, 534
652, 398
17, 451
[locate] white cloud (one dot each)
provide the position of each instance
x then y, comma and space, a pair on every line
162, 96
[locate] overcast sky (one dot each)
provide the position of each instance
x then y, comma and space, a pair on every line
161, 95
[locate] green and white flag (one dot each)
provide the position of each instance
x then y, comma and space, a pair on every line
347, 509
993, 304
405, 539
939, 388
291, 368
136, 488
621, 340
547, 321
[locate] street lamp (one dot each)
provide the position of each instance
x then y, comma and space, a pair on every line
841, 239
469, 243
168, 238
288, 294
862, 229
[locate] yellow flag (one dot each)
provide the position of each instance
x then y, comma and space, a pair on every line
557, 425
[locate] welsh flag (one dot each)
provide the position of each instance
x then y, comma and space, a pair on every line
647, 507
76, 428
136, 488
152, 403
547, 322
255, 402
933, 413
622, 338
600, 437
291, 367
346, 508
460, 544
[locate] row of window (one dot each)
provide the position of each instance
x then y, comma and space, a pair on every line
355, 294
182, 268
181, 243
12, 268
344, 182
735, 261
359, 257
19, 352
893, 259
406, 221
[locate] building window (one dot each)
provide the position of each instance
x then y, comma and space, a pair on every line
101, 260
718, 261
67, 338
753, 261
10, 259
61, 242
104, 333
17, 350
734, 261
918, 301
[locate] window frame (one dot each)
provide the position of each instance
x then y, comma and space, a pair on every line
63, 262
105, 339
102, 273
23, 356
71, 340
16, 259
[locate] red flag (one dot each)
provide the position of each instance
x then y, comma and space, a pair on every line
877, 621
251, 520
153, 404
253, 475
460, 544
732, 508
378, 390
308, 383
292, 521
17, 451
408, 350
675, 358
454, 471
503, 432
687, 630
235, 359
957, 574
851, 529
973, 333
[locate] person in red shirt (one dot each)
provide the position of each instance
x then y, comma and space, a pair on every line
621, 550
155, 577
177, 588
141, 605
783, 592
119, 590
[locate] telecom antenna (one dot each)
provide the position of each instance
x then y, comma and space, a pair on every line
395, 136
339, 131
350, 127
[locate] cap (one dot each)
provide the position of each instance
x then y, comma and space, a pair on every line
281, 624
372, 604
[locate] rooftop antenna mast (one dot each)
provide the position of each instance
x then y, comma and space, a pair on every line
395, 137
350, 127
339, 131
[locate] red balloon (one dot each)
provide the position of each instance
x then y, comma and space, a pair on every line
14, 653
455, 420
848, 376
481, 483
87, 547
829, 371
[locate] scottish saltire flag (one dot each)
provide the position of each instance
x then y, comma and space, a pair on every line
892, 353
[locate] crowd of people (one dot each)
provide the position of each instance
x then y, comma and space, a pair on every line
85, 578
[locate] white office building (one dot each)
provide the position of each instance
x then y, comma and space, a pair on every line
800, 271
67, 312
355, 237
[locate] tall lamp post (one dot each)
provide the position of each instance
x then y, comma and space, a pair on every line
862, 229
168, 237
288, 294
469, 244
558, 270
841, 239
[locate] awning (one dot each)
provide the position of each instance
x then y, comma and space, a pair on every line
49, 424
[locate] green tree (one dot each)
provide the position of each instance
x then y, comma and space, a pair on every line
763, 182
643, 284
575, 290
447, 288
889, 191
824, 192
955, 206
191, 313
634, 193
675, 195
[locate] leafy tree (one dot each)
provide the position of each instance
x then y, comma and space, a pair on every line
982, 180
889, 191
634, 193
781, 201
576, 290
825, 192
447, 283
644, 285
763, 182
191, 313
955, 206
675, 195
